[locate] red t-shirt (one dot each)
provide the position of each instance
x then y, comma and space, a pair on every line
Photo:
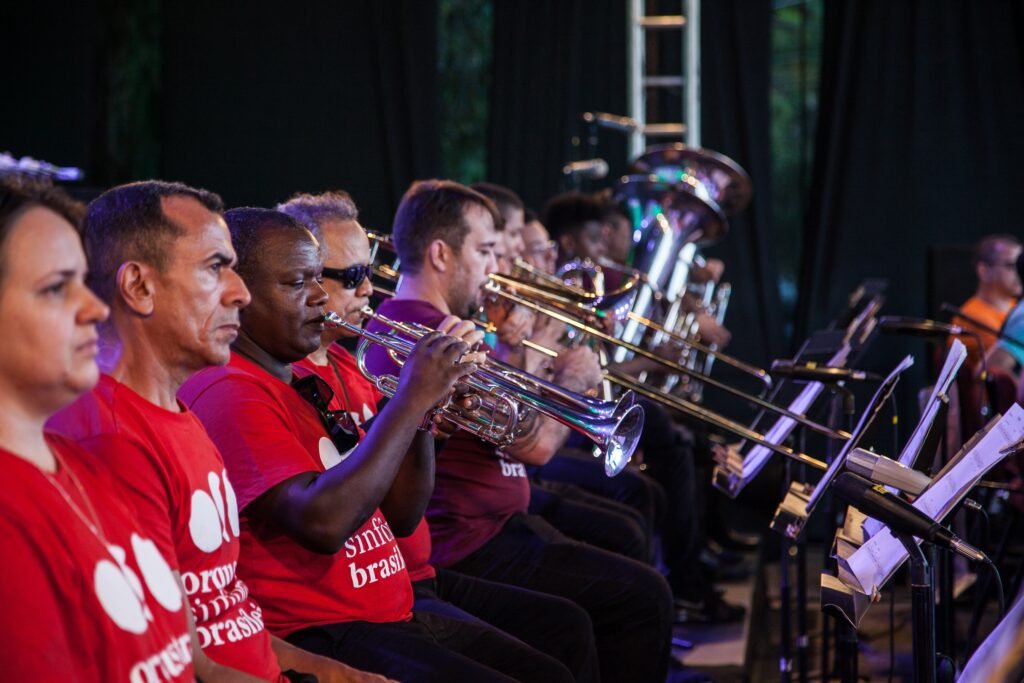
477, 488
80, 605
177, 483
355, 394
267, 434
352, 392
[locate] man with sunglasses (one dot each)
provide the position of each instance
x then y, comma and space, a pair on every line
495, 612
320, 517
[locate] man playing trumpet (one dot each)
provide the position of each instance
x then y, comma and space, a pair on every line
445, 236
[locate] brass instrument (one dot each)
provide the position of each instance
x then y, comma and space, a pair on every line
499, 393
617, 309
533, 298
382, 271
696, 411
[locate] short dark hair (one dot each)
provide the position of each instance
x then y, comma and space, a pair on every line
611, 208
567, 213
529, 215
503, 197
20, 191
127, 223
986, 251
430, 210
248, 227
312, 209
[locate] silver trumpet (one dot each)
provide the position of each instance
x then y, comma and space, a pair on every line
492, 402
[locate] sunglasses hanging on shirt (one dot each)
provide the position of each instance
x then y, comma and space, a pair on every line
339, 424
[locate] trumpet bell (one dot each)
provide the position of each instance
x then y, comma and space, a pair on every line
621, 441
702, 171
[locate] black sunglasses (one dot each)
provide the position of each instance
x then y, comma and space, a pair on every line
350, 277
339, 424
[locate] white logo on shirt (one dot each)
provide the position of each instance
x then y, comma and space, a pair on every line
213, 514
329, 454
120, 592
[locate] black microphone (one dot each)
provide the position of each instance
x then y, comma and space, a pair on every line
612, 121
918, 326
820, 373
593, 169
899, 515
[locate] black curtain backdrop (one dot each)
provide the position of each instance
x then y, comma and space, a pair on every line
254, 101
735, 81
552, 61
263, 99
920, 137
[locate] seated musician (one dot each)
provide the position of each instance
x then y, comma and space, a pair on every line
161, 257
445, 233
87, 595
668, 448
547, 623
999, 287
320, 509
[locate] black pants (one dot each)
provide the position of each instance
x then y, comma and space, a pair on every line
591, 518
629, 603
549, 624
431, 649
678, 499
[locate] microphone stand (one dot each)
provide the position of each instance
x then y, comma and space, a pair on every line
922, 595
847, 653
803, 639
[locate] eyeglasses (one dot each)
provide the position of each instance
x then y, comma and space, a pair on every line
549, 247
350, 277
339, 424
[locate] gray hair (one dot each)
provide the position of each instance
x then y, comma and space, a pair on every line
312, 209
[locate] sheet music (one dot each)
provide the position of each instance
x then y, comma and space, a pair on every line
996, 647
865, 421
954, 359
756, 458
871, 565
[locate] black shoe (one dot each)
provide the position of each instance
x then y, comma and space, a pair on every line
737, 540
712, 609
717, 569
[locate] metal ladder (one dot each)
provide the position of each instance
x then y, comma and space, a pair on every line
640, 79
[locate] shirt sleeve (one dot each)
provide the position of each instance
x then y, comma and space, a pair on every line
254, 435
1014, 327
37, 641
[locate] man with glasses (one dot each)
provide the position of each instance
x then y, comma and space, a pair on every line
999, 287
495, 612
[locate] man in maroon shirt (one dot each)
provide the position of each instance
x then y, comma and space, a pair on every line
320, 517
445, 236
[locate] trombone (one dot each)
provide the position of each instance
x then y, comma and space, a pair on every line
500, 285
383, 271
695, 410
499, 393
561, 294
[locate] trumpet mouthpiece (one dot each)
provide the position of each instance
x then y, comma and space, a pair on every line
332, 319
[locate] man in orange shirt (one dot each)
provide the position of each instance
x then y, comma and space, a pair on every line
999, 286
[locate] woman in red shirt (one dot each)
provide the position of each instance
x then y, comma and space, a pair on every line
86, 595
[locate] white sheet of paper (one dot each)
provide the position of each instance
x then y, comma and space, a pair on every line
874, 563
756, 458
954, 359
